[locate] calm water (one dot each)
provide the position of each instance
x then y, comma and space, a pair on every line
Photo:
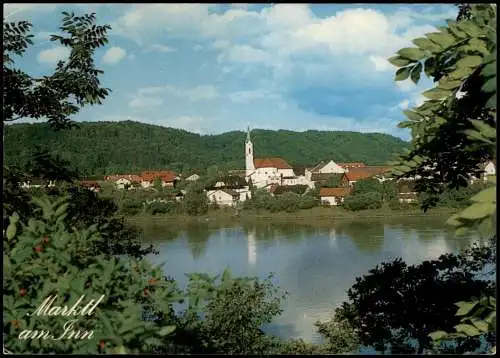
316, 265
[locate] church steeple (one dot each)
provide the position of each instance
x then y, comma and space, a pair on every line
248, 135
249, 165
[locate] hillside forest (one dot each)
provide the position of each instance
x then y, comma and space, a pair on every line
130, 147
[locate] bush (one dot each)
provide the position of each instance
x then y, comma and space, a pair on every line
363, 201
195, 203
158, 207
44, 259
234, 311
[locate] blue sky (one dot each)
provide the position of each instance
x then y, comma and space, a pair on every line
215, 68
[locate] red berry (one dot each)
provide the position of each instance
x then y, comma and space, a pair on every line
102, 344
38, 249
146, 292
22, 292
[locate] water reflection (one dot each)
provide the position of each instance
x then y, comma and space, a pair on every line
315, 264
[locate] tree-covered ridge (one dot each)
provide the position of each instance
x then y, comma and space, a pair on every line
97, 148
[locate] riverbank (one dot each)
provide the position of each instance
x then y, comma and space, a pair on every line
317, 215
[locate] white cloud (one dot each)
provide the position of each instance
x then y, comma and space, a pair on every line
153, 96
53, 55
198, 93
160, 48
114, 55
145, 102
12, 12
193, 124
381, 64
247, 96
284, 35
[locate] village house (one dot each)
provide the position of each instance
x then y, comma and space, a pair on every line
489, 171
333, 196
354, 174
123, 181
91, 185
180, 196
348, 166
265, 171
406, 191
167, 178
193, 177
324, 167
223, 197
232, 183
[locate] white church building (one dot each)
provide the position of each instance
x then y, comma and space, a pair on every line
266, 171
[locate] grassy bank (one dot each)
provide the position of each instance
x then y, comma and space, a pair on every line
310, 216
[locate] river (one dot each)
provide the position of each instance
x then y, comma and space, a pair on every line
316, 265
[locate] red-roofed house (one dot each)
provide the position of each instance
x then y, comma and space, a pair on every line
352, 165
123, 180
167, 178
333, 196
355, 174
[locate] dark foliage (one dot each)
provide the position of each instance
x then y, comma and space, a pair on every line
395, 306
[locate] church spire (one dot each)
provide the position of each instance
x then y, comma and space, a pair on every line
248, 134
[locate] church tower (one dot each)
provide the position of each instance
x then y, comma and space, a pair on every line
249, 166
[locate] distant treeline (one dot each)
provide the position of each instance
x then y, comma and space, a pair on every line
102, 148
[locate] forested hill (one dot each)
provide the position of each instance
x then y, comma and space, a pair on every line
98, 148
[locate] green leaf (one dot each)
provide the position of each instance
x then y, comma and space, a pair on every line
467, 329
490, 85
399, 61
480, 325
415, 73
489, 70
412, 115
447, 84
453, 221
426, 44
438, 335
442, 39
470, 28
436, 93
484, 128
492, 102
473, 134
413, 53
478, 211
465, 308
470, 61
406, 124
11, 231
403, 73
461, 73
488, 195
165, 331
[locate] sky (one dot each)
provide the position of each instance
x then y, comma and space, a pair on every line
215, 68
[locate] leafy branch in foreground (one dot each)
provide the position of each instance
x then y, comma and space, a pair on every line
74, 83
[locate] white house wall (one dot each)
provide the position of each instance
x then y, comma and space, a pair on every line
332, 168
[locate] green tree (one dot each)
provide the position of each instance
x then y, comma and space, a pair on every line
453, 132
74, 83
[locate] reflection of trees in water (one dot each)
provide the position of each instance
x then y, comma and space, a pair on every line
197, 237
158, 233
368, 237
